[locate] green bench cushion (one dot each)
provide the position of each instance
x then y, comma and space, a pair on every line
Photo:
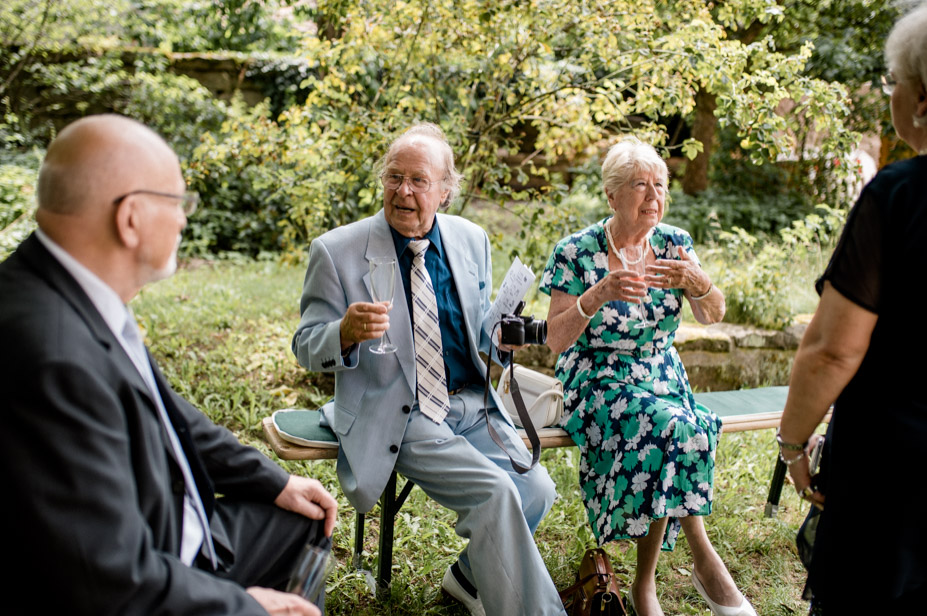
301, 426
745, 401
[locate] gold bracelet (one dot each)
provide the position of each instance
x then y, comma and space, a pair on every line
711, 286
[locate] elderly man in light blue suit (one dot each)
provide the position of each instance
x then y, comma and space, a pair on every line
376, 412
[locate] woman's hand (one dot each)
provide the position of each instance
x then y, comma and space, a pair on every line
682, 274
624, 285
801, 475
686, 274
565, 322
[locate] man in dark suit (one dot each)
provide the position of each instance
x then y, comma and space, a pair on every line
109, 477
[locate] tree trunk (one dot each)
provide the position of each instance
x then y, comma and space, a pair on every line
704, 126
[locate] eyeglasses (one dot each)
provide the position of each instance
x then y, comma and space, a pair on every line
417, 184
888, 83
188, 200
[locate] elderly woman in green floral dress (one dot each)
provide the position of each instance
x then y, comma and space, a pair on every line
648, 448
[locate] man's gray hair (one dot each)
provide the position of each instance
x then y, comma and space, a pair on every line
451, 177
627, 157
906, 51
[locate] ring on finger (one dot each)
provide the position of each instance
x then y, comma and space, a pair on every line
807, 493
365, 327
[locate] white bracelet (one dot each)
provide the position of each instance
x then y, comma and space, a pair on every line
579, 308
707, 293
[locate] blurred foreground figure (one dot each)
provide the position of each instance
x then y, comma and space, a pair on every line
110, 477
860, 350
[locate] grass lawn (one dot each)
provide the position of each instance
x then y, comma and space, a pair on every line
222, 333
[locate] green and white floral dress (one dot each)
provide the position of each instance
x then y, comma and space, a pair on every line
647, 447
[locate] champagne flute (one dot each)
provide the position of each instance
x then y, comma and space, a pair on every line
383, 274
632, 258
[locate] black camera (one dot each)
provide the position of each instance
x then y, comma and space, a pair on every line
518, 330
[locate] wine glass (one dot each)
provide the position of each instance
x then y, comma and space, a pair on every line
632, 258
314, 566
383, 274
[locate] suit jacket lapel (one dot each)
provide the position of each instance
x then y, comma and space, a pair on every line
380, 244
467, 279
204, 484
49, 269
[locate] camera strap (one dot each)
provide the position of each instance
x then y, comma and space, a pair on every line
522, 415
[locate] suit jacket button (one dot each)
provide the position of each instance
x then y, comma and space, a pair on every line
393, 449
406, 409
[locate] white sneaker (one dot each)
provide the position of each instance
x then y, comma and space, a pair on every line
455, 585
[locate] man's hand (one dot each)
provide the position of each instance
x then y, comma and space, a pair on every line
307, 497
364, 321
507, 348
282, 603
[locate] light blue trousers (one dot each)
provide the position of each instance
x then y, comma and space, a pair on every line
458, 465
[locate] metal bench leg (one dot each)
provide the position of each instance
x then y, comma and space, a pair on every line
775, 488
390, 504
358, 559
387, 521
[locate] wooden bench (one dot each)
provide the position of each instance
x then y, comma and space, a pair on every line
748, 409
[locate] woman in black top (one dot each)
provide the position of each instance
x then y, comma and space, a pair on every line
863, 351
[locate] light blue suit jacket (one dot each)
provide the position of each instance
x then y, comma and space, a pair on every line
373, 393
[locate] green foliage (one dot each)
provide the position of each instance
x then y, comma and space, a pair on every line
20, 159
175, 106
250, 174
706, 214
207, 25
17, 202
841, 41
755, 275
532, 83
848, 38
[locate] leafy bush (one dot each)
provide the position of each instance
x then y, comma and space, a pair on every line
756, 276
175, 106
705, 214
207, 25
249, 175
17, 199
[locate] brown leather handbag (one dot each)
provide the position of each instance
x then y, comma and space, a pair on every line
595, 592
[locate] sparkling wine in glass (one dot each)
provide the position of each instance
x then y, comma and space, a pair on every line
632, 258
383, 274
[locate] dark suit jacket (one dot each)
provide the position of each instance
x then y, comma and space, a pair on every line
92, 494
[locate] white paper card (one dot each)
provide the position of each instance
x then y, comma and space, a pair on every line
517, 281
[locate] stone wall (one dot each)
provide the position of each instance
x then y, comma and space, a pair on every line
717, 357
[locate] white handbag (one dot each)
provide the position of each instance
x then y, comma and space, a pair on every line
543, 396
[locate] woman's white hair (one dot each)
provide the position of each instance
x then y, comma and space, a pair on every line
906, 51
451, 177
626, 158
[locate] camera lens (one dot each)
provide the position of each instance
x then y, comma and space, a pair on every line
536, 332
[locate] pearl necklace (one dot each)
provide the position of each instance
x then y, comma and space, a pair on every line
611, 242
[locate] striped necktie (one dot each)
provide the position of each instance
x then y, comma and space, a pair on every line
429, 354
